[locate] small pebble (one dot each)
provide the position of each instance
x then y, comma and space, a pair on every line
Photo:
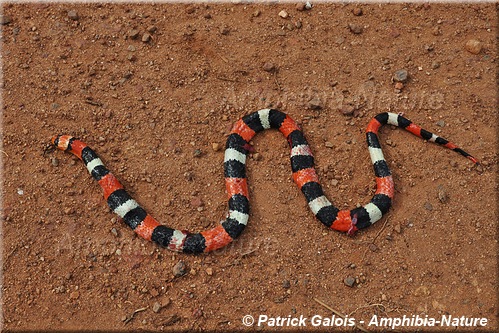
435, 65
442, 194
114, 232
256, 13
73, 14
355, 28
133, 34
74, 295
357, 11
283, 14
215, 146
300, 7
399, 85
315, 103
347, 110
179, 269
269, 67
197, 153
473, 46
196, 202
397, 228
401, 75
152, 29
428, 206
224, 30
5, 19
286, 284
257, 156
349, 281
146, 37
156, 307
440, 123
308, 5
329, 144
55, 161
209, 271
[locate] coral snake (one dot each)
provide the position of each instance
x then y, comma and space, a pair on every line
237, 149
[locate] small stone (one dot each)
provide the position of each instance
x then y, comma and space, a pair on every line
442, 194
257, 156
55, 161
73, 14
298, 24
152, 29
355, 28
349, 281
422, 291
286, 284
179, 269
256, 13
401, 75
114, 232
428, 206
283, 14
399, 86
146, 37
473, 46
437, 306
224, 30
133, 34
197, 153
315, 103
329, 144
300, 7
347, 110
209, 271
215, 146
196, 202
165, 302
269, 67
156, 307
308, 5
435, 65
357, 11
5, 19
440, 123
397, 228
74, 295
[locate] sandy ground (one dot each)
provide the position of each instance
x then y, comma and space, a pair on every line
154, 89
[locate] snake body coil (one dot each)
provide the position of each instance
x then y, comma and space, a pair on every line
237, 148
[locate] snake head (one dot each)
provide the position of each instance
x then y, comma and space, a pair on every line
353, 228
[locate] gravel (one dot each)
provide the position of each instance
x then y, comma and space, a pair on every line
349, 281
473, 46
315, 103
179, 269
356, 28
5, 19
73, 14
401, 75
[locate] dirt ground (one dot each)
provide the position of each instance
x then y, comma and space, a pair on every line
155, 89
